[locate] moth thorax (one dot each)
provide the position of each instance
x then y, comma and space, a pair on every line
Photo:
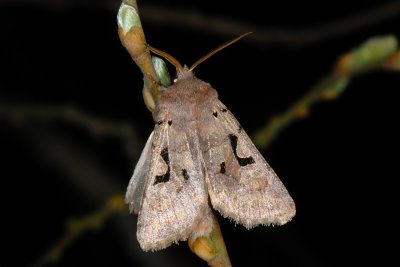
183, 73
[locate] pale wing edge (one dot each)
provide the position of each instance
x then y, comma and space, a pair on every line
136, 187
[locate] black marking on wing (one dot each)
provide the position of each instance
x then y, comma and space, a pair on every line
160, 122
215, 114
224, 110
242, 161
169, 122
222, 167
185, 174
165, 177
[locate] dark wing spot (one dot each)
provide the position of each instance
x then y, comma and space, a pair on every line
215, 114
224, 110
165, 177
179, 189
222, 167
185, 174
169, 123
242, 161
160, 122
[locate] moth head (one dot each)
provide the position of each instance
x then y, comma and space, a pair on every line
183, 72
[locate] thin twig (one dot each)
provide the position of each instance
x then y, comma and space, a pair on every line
133, 38
78, 226
375, 53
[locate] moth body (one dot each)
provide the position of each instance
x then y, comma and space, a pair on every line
199, 152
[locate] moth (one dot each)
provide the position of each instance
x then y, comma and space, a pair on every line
199, 154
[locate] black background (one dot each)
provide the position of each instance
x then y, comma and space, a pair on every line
57, 54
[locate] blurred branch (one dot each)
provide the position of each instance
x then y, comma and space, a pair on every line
77, 227
98, 127
226, 27
375, 53
223, 26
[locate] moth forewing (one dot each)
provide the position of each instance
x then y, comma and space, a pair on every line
241, 184
175, 198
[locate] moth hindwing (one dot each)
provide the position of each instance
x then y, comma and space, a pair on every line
199, 151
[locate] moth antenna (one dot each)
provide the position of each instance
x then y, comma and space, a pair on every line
216, 50
167, 56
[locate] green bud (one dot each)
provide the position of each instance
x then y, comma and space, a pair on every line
162, 71
127, 17
374, 50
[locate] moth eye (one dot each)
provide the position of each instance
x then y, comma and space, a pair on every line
165, 177
222, 167
185, 174
169, 122
242, 161
215, 114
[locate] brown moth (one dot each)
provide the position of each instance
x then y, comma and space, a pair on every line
199, 152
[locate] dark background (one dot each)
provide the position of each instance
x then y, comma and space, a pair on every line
66, 55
